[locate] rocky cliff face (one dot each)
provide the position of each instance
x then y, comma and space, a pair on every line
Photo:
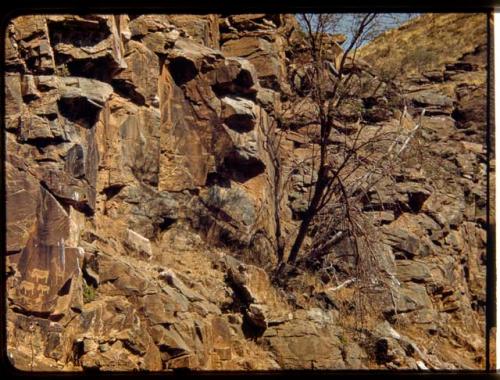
142, 209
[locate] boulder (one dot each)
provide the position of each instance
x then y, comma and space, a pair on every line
121, 278
188, 58
204, 29
417, 194
172, 280
407, 242
257, 315
262, 305
305, 344
434, 75
233, 203
138, 245
377, 114
411, 297
155, 32
301, 112
407, 270
87, 46
263, 54
234, 76
444, 210
94, 92
139, 80
434, 102
122, 340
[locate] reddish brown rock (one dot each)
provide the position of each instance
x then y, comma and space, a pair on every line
23, 197
103, 45
139, 80
204, 29
139, 158
264, 55
34, 51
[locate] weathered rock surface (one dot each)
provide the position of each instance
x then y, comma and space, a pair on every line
142, 201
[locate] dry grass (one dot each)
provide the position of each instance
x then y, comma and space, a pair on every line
435, 38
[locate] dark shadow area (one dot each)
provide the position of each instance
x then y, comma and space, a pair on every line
182, 70
79, 110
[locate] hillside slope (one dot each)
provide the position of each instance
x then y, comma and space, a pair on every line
425, 42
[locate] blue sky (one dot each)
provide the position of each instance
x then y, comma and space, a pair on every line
387, 21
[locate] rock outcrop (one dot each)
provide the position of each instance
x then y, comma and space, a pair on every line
142, 207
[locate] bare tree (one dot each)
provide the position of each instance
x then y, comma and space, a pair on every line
345, 169
328, 92
333, 82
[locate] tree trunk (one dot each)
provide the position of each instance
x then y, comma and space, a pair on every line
300, 237
306, 221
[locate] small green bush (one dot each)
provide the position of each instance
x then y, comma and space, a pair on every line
343, 340
89, 293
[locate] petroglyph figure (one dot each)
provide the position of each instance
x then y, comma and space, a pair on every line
27, 286
40, 276
44, 289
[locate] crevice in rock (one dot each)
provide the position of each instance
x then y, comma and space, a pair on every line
241, 170
43, 142
102, 68
42, 160
240, 123
128, 90
78, 33
84, 208
250, 330
77, 351
224, 90
65, 288
182, 70
381, 351
30, 97
166, 223
131, 347
29, 313
79, 110
112, 190
173, 352
89, 273
214, 178
240, 87
458, 116
416, 201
